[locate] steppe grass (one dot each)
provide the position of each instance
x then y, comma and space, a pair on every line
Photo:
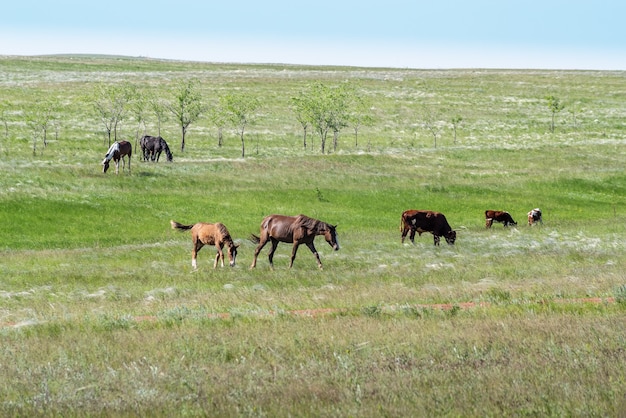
102, 314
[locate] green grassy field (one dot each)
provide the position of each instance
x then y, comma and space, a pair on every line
102, 314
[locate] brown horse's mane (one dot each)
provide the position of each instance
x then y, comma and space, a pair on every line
311, 224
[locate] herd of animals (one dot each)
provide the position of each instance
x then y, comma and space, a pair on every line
302, 229
296, 230
151, 149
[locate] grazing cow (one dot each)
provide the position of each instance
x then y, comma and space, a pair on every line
426, 221
502, 216
534, 216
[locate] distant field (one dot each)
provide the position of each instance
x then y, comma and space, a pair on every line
102, 314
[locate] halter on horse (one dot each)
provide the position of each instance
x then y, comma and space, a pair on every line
209, 234
293, 229
116, 152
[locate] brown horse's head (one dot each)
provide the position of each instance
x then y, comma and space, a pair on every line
331, 237
232, 253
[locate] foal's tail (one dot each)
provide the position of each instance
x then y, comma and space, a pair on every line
176, 225
255, 239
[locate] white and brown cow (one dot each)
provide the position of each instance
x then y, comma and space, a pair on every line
534, 216
426, 221
501, 216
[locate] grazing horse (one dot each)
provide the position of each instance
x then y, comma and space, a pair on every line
209, 234
153, 146
116, 152
293, 229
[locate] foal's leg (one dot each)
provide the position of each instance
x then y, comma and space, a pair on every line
315, 253
219, 255
197, 245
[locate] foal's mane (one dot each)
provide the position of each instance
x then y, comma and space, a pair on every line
224, 233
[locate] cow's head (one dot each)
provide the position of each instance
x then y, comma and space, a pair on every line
450, 237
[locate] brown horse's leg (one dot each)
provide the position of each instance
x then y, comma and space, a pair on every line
294, 250
315, 253
259, 247
270, 256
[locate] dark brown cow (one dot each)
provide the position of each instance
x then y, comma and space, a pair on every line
426, 221
501, 216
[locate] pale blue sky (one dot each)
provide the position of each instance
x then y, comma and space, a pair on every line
550, 34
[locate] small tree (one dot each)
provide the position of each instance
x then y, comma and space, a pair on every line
41, 120
187, 107
239, 110
456, 122
432, 125
555, 106
360, 116
219, 119
301, 107
110, 103
159, 109
138, 107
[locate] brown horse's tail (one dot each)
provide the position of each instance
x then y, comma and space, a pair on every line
255, 239
176, 225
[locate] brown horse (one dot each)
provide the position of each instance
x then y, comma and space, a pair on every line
116, 152
209, 234
293, 229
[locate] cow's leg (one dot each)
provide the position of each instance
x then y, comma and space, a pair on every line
436, 238
315, 253
405, 231
412, 236
488, 223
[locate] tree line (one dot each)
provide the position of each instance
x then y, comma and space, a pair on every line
318, 108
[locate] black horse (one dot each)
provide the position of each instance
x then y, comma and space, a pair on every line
153, 146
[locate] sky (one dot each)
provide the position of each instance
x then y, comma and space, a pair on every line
438, 34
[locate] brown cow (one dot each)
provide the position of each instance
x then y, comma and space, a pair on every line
426, 221
534, 216
502, 216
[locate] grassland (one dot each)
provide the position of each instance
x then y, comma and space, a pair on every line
102, 314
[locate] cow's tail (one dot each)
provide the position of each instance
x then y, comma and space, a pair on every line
402, 223
176, 225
